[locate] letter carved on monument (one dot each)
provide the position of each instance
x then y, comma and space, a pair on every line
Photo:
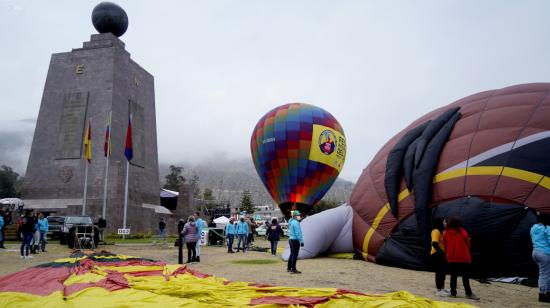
71, 128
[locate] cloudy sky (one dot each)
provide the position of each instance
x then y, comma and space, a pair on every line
220, 65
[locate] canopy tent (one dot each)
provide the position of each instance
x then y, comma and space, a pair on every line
12, 203
169, 199
222, 220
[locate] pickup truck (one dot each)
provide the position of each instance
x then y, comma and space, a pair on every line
55, 223
77, 231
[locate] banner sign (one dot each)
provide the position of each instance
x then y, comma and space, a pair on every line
328, 146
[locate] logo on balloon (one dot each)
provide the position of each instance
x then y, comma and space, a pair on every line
327, 142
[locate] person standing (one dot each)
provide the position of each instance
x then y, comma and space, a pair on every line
36, 235
162, 229
459, 259
540, 236
251, 231
190, 232
27, 231
43, 229
2, 230
230, 235
242, 233
295, 241
101, 225
437, 256
200, 225
274, 232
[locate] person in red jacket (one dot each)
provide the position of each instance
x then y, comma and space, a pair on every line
457, 250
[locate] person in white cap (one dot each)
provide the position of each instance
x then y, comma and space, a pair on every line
295, 241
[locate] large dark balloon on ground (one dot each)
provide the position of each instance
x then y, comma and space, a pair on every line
108, 17
484, 159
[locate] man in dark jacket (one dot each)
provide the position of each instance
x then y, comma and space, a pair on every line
27, 230
274, 232
101, 225
162, 229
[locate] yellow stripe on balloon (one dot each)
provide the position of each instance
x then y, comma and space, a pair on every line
514, 173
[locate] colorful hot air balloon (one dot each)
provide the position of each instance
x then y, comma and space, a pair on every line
298, 150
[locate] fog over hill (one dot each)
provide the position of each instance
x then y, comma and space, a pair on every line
229, 177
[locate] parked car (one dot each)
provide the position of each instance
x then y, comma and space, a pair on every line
79, 230
55, 223
260, 231
284, 226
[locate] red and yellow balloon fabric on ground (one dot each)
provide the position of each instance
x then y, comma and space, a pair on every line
107, 280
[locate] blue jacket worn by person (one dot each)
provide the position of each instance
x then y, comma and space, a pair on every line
200, 224
43, 225
242, 228
295, 231
230, 229
1, 222
540, 235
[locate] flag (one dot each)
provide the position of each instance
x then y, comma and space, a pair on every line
107, 145
128, 149
88, 143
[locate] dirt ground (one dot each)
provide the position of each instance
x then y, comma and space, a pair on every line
320, 272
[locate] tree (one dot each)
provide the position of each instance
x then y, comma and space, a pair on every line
195, 182
174, 180
246, 202
8, 180
324, 205
207, 195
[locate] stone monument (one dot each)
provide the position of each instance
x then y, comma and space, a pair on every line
90, 83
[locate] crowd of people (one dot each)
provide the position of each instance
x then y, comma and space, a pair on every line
245, 229
33, 228
450, 244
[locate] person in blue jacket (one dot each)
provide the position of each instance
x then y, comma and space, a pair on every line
230, 235
242, 234
200, 225
540, 236
295, 241
43, 228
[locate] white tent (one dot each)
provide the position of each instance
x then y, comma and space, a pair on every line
12, 202
221, 220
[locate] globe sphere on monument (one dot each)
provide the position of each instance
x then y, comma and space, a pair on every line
107, 17
298, 151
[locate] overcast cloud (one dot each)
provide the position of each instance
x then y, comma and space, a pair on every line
220, 65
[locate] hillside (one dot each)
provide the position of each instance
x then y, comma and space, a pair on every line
229, 178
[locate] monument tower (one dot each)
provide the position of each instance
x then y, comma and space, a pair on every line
93, 83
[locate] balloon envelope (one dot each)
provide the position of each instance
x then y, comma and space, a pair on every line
298, 151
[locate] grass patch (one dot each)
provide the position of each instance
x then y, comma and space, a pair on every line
255, 261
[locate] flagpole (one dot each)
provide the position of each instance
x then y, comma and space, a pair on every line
88, 159
103, 214
105, 188
128, 152
85, 190
126, 195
